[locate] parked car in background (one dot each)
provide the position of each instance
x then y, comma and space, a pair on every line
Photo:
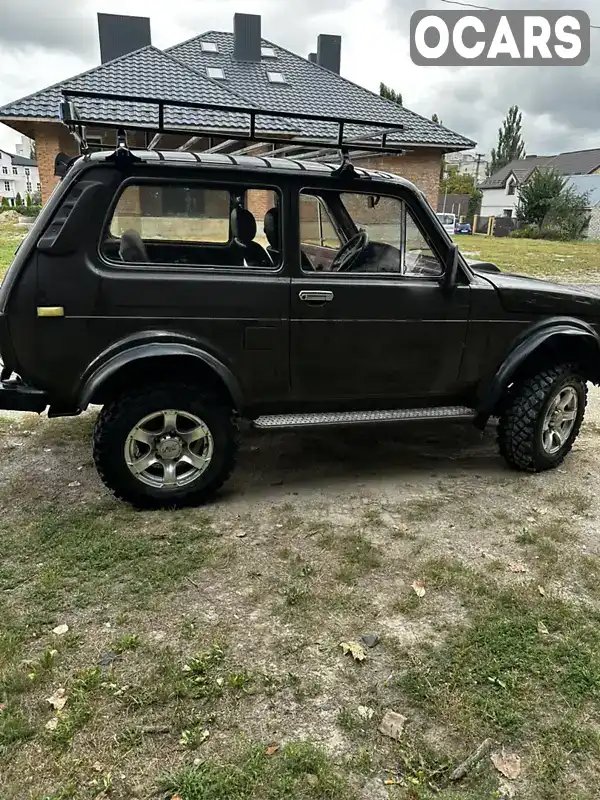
448, 221
463, 227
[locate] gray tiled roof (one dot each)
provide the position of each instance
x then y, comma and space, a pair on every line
310, 88
180, 74
578, 162
22, 161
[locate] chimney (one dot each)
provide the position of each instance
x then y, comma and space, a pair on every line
247, 38
329, 50
120, 35
312, 57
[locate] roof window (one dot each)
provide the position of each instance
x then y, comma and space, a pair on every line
268, 52
276, 77
215, 72
209, 47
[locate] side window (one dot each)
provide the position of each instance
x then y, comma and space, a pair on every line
195, 225
316, 227
173, 213
380, 217
419, 258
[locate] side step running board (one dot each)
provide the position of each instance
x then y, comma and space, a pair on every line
362, 417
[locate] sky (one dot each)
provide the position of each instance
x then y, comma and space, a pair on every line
45, 41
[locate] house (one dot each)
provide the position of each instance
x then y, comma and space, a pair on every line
237, 68
590, 186
469, 163
18, 176
500, 191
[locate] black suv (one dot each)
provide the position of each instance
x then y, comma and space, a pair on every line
185, 292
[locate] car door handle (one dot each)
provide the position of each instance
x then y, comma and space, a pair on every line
316, 297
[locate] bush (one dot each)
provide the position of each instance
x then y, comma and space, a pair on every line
28, 211
550, 209
531, 232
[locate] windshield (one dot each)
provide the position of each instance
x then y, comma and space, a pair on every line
446, 219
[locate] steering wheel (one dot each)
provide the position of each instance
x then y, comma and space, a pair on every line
349, 255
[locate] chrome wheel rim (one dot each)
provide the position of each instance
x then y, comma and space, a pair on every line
560, 420
169, 449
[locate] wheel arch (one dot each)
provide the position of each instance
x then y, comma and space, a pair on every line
563, 340
158, 361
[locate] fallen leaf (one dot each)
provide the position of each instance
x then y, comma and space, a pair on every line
508, 765
370, 640
542, 591
2, 707
52, 724
60, 630
356, 650
177, 797
390, 782
365, 712
518, 568
272, 749
58, 700
392, 725
419, 587
542, 629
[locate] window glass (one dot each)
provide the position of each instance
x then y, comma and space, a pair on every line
196, 225
316, 227
419, 258
380, 217
174, 213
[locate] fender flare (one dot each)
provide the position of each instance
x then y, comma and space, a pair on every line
531, 340
162, 350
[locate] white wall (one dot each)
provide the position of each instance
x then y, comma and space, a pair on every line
495, 201
15, 180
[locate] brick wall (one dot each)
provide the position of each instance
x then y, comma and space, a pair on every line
422, 167
51, 139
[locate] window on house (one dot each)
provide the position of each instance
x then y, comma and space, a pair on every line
5, 170
7, 186
15, 171
27, 172
39, 187
209, 47
276, 77
192, 225
508, 212
267, 52
511, 188
215, 72
29, 187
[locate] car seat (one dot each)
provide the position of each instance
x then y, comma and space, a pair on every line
243, 226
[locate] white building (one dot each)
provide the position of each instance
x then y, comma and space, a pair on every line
469, 163
18, 175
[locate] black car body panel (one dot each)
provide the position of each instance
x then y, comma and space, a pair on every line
380, 340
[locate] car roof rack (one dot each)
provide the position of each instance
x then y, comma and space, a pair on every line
365, 135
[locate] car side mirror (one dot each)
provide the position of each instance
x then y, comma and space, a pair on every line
450, 275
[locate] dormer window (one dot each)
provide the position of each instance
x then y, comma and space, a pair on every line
511, 186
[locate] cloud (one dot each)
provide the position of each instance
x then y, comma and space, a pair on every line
45, 41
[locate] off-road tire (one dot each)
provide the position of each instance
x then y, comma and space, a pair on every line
118, 418
522, 419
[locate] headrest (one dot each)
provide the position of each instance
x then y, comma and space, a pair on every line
243, 225
132, 247
272, 229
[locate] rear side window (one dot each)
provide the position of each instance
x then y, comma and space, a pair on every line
173, 213
195, 225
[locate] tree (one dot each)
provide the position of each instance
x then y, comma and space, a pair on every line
435, 118
28, 201
33, 150
18, 199
510, 141
5, 202
537, 195
390, 94
455, 182
552, 209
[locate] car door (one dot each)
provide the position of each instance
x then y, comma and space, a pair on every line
188, 279
388, 332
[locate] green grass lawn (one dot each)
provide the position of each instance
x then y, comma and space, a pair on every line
536, 257
10, 238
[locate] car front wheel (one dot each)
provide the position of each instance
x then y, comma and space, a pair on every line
165, 446
542, 418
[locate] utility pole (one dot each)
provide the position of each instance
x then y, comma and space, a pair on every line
479, 157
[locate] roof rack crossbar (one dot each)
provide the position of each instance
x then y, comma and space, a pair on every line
375, 136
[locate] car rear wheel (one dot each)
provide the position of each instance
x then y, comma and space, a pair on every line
165, 446
542, 418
